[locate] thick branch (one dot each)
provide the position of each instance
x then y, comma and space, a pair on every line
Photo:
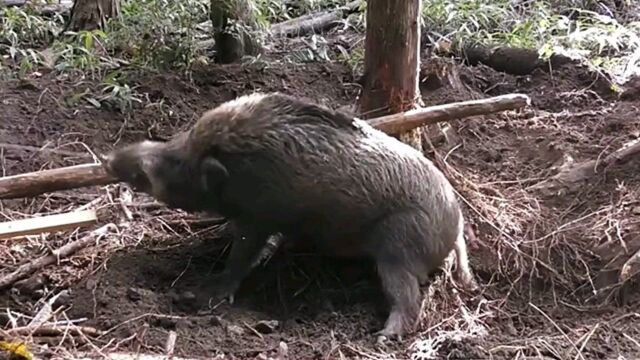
314, 22
403, 122
40, 182
572, 178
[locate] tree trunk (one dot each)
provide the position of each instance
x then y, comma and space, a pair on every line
233, 21
392, 49
92, 14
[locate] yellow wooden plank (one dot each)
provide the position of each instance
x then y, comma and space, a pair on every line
49, 223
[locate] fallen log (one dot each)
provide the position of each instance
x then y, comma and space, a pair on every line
40, 182
51, 223
314, 22
572, 178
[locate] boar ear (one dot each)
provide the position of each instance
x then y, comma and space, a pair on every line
213, 173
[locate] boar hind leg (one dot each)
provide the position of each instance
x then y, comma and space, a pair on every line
402, 255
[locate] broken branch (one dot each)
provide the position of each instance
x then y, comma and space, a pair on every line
40, 182
571, 178
29, 268
314, 22
402, 122
50, 223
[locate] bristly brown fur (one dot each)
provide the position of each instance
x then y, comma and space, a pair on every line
272, 163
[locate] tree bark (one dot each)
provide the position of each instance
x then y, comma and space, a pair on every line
92, 14
392, 61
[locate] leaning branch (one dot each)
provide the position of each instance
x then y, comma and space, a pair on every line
572, 178
40, 182
407, 121
316, 22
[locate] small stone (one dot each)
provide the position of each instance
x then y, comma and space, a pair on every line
283, 350
266, 326
134, 294
166, 323
261, 356
188, 296
91, 284
186, 300
31, 286
636, 210
215, 320
235, 329
64, 299
175, 298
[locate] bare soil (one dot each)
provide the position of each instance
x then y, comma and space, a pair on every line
157, 275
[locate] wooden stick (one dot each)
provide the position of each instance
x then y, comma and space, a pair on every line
48, 223
400, 123
170, 345
54, 330
29, 268
572, 178
40, 182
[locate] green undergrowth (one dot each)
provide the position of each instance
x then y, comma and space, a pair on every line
577, 29
172, 35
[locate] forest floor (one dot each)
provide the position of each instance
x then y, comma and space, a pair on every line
541, 262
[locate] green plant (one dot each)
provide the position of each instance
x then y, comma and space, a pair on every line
598, 40
23, 28
161, 34
80, 51
354, 59
21, 31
